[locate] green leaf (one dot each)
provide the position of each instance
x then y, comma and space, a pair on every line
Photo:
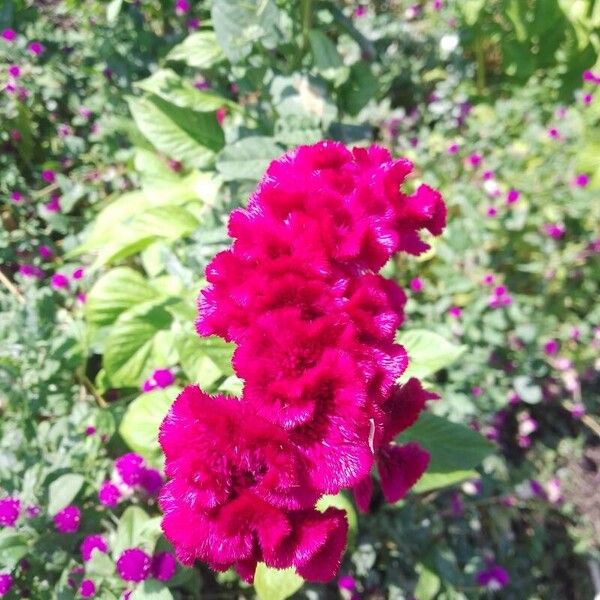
527, 390
359, 89
129, 530
204, 360
435, 481
151, 590
326, 58
115, 292
62, 491
99, 565
454, 449
247, 158
428, 352
276, 584
200, 50
13, 547
428, 584
130, 346
172, 88
142, 419
343, 502
239, 23
183, 134
112, 11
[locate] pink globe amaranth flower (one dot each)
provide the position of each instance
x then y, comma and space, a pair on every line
221, 114
45, 252
577, 410
6, 582
587, 99
581, 180
49, 176
15, 135
10, 509
193, 24
164, 566
590, 77
53, 205
488, 279
134, 565
314, 323
554, 230
91, 543
35, 48
474, 159
78, 273
68, 519
438, 4
553, 133
360, 11
14, 71
59, 281
416, 285
16, 197
151, 481
109, 494
494, 577
32, 511
512, 196
81, 297
453, 148
551, 347
455, 311
476, 390
160, 378
129, 467
182, 6
491, 211
500, 297
90, 430
31, 271
87, 589
9, 35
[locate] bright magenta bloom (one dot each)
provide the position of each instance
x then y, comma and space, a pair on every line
91, 543
68, 519
10, 508
314, 323
134, 565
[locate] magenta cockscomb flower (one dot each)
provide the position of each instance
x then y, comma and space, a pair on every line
35, 48
416, 285
314, 328
134, 565
9, 35
581, 180
109, 494
59, 281
10, 509
160, 378
31, 271
91, 543
68, 519
164, 566
16, 197
87, 589
6, 582
129, 468
512, 196
493, 577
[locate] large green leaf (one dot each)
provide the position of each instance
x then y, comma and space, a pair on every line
172, 88
181, 133
455, 450
326, 58
199, 49
204, 360
142, 419
62, 491
13, 547
151, 590
239, 23
115, 292
343, 502
247, 158
428, 352
130, 350
130, 530
275, 584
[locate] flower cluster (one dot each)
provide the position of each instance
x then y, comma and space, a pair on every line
314, 323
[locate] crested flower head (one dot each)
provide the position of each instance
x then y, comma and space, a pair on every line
299, 292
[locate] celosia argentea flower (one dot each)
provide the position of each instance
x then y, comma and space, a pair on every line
314, 323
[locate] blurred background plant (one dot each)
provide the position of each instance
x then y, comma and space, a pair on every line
131, 129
